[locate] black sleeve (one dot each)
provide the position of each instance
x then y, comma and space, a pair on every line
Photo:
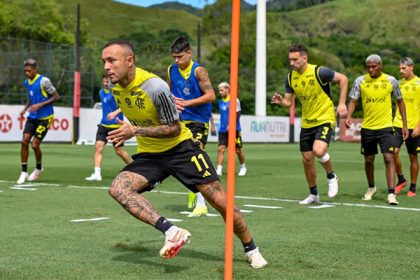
287, 86
325, 74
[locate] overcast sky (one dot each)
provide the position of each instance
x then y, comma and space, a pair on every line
195, 3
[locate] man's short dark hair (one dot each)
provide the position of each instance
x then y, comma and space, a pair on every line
407, 61
298, 48
181, 44
30, 62
120, 42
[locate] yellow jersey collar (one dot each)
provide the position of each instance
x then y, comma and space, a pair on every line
226, 99
187, 71
34, 79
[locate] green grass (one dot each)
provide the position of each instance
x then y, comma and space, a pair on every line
39, 241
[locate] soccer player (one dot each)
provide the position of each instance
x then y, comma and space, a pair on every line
110, 113
193, 94
376, 89
224, 90
41, 95
311, 84
410, 90
165, 147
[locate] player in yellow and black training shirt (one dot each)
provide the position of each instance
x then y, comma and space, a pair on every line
311, 84
165, 147
376, 89
41, 95
410, 90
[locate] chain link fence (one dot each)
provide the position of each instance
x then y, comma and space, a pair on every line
56, 61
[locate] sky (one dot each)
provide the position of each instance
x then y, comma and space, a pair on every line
194, 3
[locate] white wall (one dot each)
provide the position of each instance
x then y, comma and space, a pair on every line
254, 128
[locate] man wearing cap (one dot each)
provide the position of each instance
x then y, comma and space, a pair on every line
376, 89
41, 95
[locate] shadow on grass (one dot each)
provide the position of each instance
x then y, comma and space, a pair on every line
145, 253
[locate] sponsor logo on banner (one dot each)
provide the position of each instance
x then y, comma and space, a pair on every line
352, 133
5, 123
274, 129
57, 124
12, 124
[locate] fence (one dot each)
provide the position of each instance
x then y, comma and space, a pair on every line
56, 61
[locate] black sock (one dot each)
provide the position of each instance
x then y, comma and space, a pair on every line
371, 185
313, 190
400, 178
413, 187
391, 190
163, 224
331, 175
24, 167
39, 165
249, 246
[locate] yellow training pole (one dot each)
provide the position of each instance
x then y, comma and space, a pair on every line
234, 53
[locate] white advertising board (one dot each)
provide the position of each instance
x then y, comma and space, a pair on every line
12, 125
254, 129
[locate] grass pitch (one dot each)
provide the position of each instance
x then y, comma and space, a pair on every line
346, 238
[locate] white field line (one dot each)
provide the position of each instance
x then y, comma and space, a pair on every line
208, 214
90, 220
322, 206
174, 220
262, 206
31, 184
87, 187
19, 187
256, 198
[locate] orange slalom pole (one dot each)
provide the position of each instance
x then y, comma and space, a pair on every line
230, 196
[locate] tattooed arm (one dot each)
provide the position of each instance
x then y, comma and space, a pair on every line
159, 93
205, 86
127, 131
162, 131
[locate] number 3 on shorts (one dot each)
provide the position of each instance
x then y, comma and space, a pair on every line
325, 132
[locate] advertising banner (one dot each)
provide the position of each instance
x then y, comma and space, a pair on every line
254, 128
12, 125
352, 133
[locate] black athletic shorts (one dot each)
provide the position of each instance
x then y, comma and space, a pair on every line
38, 128
412, 144
371, 138
223, 139
187, 162
102, 133
199, 130
308, 136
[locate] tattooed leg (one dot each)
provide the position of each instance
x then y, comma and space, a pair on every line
215, 195
124, 189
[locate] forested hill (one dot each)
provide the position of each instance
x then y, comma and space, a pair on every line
339, 34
